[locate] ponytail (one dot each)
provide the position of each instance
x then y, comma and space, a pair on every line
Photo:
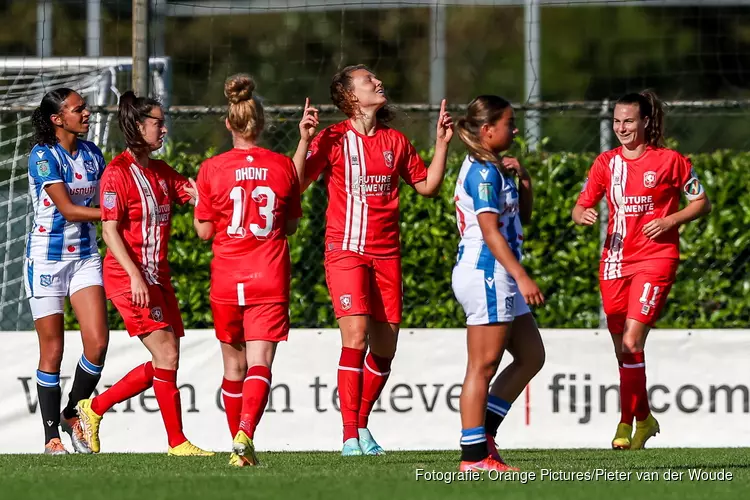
245, 113
468, 132
655, 128
131, 111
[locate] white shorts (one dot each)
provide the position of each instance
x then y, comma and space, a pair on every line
487, 297
47, 282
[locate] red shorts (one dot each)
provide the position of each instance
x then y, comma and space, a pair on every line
238, 324
163, 312
640, 296
363, 285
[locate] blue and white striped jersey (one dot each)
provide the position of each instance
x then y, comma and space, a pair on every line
481, 187
52, 237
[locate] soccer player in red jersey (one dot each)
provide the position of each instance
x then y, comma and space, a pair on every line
643, 181
248, 201
137, 193
362, 161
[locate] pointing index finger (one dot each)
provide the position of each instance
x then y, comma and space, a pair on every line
442, 107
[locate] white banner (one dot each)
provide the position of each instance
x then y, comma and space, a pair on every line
698, 384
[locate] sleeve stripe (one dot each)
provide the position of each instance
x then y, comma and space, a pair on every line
487, 209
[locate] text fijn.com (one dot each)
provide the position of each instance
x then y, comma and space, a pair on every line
603, 475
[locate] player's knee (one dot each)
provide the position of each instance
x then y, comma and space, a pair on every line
483, 370
235, 371
355, 338
51, 357
168, 358
631, 344
535, 361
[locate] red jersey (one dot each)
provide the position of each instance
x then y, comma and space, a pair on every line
249, 195
362, 175
140, 200
638, 191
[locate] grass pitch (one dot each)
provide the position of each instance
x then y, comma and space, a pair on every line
300, 476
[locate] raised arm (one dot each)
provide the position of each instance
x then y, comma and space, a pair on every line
307, 128
430, 186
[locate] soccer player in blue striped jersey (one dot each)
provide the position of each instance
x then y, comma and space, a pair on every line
62, 258
489, 280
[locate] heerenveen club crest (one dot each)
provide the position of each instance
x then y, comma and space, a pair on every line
90, 167
649, 179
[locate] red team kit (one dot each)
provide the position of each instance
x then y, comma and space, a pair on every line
362, 175
140, 199
636, 272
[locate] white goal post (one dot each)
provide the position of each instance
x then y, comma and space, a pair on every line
23, 83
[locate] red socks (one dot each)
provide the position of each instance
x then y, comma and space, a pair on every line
633, 392
138, 380
350, 389
231, 395
168, 397
255, 391
376, 374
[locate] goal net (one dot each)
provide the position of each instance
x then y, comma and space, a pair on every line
23, 83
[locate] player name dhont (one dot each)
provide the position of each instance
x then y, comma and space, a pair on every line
251, 174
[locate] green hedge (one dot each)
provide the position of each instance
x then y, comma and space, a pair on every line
713, 288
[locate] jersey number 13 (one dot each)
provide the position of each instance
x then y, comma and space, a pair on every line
238, 195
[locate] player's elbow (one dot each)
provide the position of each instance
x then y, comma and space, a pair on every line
204, 233
70, 213
424, 189
575, 214
204, 230
707, 207
108, 233
291, 227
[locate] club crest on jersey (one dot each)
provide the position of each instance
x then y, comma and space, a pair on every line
42, 167
649, 179
89, 166
110, 199
45, 280
156, 314
388, 157
164, 187
249, 158
346, 301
